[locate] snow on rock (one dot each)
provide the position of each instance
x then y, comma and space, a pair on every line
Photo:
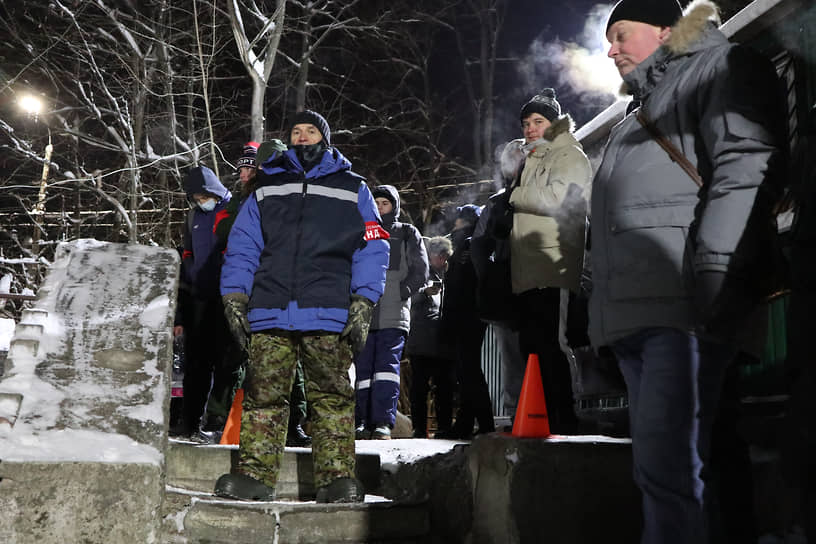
5, 284
88, 372
404, 451
6, 332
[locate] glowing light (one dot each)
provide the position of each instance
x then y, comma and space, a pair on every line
31, 104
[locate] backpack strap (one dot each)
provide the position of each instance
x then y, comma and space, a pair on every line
675, 154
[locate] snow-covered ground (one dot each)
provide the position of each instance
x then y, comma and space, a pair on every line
6, 332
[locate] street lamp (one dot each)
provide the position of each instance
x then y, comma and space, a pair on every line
34, 106
31, 105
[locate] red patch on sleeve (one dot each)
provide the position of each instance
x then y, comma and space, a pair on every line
374, 231
219, 215
186, 254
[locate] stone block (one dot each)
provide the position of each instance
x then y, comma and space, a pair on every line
84, 400
28, 330
197, 467
42, 502
23, 347
304, 523
562, 490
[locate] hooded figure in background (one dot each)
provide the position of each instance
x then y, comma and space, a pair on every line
211, 355
462, 327
377, 368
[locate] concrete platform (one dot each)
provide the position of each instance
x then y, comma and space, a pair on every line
85, 397
505, 490
208, 519
196, 467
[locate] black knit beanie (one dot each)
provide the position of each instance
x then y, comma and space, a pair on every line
314, 118
543, 103
654, 12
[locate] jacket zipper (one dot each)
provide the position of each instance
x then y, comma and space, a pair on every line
298, 233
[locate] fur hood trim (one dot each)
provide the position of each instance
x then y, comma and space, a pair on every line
562, 125
559, 126
692, 25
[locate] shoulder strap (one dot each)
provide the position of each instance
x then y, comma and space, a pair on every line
675, 154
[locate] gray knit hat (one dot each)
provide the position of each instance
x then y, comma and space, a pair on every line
653, 12
543, 103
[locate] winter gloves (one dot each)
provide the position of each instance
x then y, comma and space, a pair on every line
359, 319
355, 331
235, 310
721, 306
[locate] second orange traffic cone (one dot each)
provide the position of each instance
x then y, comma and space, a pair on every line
232, 429
531, 414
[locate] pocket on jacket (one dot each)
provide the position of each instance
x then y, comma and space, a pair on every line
648, 253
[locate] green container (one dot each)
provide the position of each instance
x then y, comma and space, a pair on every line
767, 377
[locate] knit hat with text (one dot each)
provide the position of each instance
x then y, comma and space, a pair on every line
248, 155
653, 12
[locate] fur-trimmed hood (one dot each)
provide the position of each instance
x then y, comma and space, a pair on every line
687, 31
562, 125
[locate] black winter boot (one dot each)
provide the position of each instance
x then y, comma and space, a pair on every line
341, 490
243, 487
297, 437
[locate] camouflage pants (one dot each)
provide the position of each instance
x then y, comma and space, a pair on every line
273, 356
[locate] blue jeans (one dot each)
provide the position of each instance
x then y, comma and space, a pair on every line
674, 381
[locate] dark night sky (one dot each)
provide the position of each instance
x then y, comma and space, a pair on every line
547, 21
528, 22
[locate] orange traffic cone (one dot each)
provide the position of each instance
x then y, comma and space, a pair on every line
531, 414
232, 429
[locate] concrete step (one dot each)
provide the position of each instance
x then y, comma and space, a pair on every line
197, 466
197, 517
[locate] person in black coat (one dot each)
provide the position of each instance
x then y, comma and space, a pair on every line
431, 355
461, 322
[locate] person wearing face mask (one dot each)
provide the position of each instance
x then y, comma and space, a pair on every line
211, 355
305, 262
378, 366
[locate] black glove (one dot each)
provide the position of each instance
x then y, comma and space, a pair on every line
721, 306
235, 310
359, 320
500, 221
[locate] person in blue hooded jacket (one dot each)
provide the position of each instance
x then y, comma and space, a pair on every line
211, 354
305, 263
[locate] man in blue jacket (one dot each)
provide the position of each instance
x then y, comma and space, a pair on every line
305, 263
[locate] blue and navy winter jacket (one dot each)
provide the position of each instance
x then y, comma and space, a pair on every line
202, 254
303, 242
